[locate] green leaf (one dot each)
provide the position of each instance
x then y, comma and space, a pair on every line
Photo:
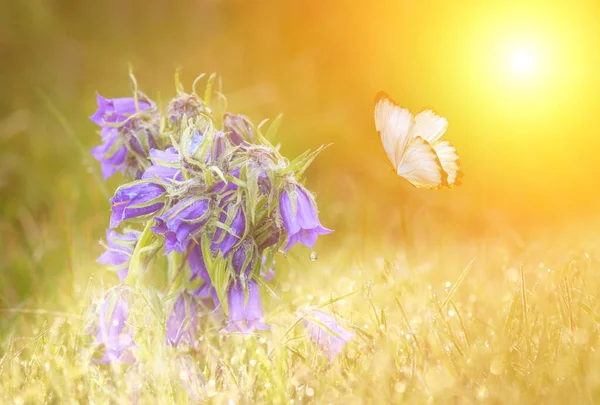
260, 137
274, 127
299, 165
135, 272
218, 270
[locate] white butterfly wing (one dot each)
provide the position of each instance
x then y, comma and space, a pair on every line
393, 124
413, 145
421, 165
429, 126
448, 157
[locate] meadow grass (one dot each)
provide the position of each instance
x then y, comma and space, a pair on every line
500, 329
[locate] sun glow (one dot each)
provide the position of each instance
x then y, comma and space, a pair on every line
522, 61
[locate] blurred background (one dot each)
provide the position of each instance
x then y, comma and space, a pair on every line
519, 83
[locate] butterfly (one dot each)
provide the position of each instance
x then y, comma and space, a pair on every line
413, 144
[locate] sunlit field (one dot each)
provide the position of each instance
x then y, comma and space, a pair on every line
486, 292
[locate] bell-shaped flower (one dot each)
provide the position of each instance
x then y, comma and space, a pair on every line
199, 271
182, 223
183, 321
116, 110
244, 318
326, 333
126, 138
135, 199
238, 128
113, 330
119, 248
301, 220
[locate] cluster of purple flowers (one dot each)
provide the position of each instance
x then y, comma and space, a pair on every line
215, 195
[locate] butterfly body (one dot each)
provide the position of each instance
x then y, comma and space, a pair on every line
413, 144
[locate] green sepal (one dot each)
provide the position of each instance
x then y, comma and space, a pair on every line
274, 127
219, 272
299, 165
146, 244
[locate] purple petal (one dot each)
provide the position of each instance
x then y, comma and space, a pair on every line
223, 240
134, 200
119, 250
182, 322
221, 187
303, 225
239, 258
244, 319
327, 333
182, 223
164, 173
113, 331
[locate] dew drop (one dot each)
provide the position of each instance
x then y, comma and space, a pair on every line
313, 256
482, 392
400, 387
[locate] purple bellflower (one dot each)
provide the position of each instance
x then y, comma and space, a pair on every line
183, 321
118, 251
113, 331
244, 318
115, 110
164, 166
182, 223
123, 137
199, 270
135, 199
302, 224
238, 128
327, 333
